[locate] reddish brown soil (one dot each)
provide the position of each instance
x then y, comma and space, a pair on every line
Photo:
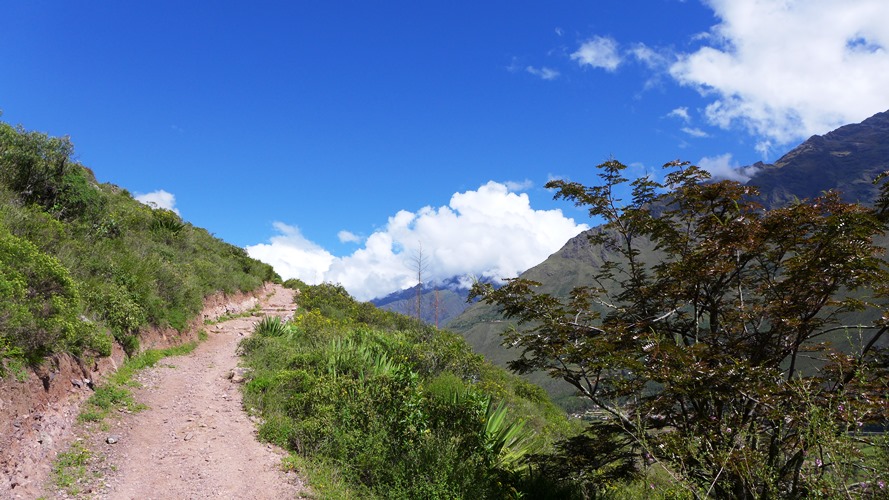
193, 441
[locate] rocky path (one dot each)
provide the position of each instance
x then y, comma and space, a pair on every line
195, 441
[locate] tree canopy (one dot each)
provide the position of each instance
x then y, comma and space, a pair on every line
743, 355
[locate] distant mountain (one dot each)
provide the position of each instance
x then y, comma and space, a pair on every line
846, 159
439, 302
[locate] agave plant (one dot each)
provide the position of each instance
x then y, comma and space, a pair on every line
506, 442
271, 326
166, 221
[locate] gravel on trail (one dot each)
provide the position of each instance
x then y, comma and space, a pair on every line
195, 440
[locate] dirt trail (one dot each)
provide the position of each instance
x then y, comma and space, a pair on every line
195, 441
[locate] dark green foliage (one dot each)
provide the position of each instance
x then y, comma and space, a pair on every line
398, 407
82, 259
40, 305
166, 221
715, 359
39, 168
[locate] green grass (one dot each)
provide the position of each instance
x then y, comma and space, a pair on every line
225, 317
70, 468
326, 480
374, 404
83, 263
115, 392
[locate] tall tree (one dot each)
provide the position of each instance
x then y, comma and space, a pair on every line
710, 338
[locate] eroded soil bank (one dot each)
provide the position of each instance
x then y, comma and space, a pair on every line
188, 397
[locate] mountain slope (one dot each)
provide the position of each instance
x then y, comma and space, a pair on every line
82, 262
439, 303
846, 159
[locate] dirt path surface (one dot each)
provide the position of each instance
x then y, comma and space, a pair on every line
194, 441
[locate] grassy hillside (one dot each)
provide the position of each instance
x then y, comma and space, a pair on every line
573, 265
379, 405
847, 159
82, 262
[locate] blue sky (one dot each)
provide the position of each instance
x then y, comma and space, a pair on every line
334, 138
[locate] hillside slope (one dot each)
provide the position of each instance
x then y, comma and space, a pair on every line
82, 263
201, 442
846, 159
88, 273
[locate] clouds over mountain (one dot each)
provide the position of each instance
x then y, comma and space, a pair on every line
492, 232
788, 70
158, 199
782, 71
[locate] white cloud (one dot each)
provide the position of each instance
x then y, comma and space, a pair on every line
348, 237
787, 70
490, 232
517, 187
650, 57
681, 113
543, 72
598, 52
293, 256
158, 199
725, 167
695, 132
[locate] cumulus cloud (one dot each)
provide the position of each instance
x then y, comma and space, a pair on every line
681, 113
519, 186
348, 237
725, 167
158, 199
490, 232
695, 132
598, 52
788, 70
543, 72
651, 58
292, 255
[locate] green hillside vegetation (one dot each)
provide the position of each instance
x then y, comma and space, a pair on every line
375, 404
740, 349
575, 264
845, 160
83, 262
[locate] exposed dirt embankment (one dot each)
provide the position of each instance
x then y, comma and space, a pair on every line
37, 414
194, 440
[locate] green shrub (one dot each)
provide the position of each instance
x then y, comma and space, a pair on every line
40, 306
396, 407
80, 258
166, 222
271, 326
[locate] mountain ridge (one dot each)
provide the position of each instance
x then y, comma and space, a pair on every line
848, 158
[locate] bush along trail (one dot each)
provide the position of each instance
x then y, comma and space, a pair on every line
183, 433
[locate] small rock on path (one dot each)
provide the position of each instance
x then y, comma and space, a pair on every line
195, 441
